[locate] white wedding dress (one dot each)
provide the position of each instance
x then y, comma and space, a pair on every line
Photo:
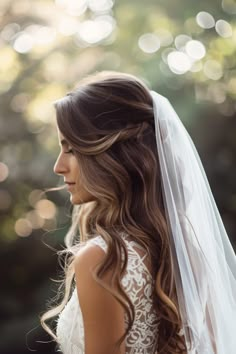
138, 284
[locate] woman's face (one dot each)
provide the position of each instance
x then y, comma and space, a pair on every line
68, 167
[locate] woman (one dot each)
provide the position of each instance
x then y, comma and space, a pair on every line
152, 270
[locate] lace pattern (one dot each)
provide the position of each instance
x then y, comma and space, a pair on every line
138, 284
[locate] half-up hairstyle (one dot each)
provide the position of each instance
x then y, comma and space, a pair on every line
108, 121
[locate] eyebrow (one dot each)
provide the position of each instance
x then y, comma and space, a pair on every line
64, 142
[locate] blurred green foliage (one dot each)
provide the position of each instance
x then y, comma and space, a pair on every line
185, 50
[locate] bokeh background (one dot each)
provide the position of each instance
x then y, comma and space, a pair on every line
184, 49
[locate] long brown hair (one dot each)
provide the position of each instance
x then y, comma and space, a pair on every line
108, 121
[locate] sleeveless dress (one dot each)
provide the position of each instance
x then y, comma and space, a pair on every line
138, 284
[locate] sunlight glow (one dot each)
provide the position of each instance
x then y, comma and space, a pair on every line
94, 31
179, 63
195, 49
23, 43
44, 35
23, 227
35, 219
45, 208
205, 20
149, 43
213, 69
73, 7
9, 31
68, 26
224, 29
181, 40
4, 171
100, 5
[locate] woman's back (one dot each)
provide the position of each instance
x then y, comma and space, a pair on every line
138, 283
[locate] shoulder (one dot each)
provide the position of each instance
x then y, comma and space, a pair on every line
103, 316
86, 264
89, 291
92, 251
88, 257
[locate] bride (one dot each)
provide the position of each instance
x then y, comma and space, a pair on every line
150, 268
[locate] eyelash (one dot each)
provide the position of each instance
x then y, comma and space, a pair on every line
69, 151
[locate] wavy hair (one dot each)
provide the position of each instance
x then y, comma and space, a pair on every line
109, 123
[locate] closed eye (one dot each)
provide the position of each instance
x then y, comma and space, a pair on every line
70, 151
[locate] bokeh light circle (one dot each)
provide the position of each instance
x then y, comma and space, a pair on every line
181, 40
195, 49
224, 29
179, 63
4, 171
149, 43
205, 20
213, 69
46, 209
23, 227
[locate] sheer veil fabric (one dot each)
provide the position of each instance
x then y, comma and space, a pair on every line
203, 260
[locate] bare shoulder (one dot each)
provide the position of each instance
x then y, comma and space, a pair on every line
90, 292
103, 316
88, 257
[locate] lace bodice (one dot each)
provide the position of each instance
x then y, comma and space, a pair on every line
138, 284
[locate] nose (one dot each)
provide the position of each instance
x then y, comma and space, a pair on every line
60, 167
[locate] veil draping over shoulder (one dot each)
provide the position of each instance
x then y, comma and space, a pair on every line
203, 260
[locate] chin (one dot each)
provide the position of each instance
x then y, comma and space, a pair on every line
75, 199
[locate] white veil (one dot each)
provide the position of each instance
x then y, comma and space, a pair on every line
204, 262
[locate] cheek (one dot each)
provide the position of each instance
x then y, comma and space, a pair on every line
75, 169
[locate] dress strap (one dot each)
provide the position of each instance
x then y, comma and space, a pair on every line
98, 240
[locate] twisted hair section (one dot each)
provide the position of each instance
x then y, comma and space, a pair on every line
106, 142
108, 120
